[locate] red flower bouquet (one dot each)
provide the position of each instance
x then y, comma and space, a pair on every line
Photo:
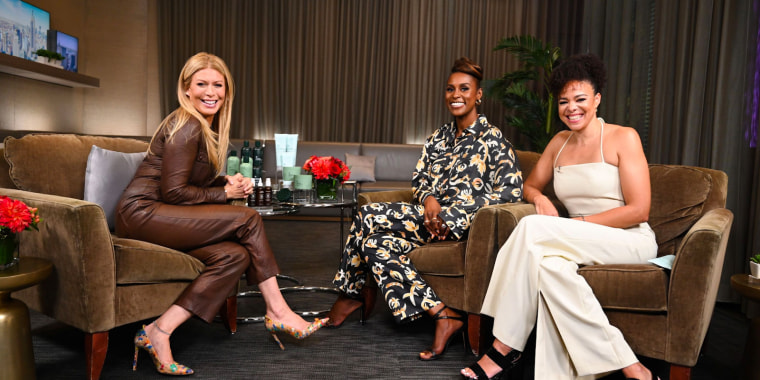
16, 216
327, 168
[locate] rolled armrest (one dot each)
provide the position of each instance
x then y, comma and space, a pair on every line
74, 236
490, 228
385, 196
694, 282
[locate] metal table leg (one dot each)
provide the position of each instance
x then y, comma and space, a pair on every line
286, 290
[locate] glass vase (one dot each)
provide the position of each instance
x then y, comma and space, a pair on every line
326, 189
8, 251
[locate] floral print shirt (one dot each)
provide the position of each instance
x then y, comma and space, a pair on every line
468, 172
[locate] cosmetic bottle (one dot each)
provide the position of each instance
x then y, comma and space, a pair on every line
268, 192
246, 151
258, 150
258, 159
259, 192
246, 167
233, 163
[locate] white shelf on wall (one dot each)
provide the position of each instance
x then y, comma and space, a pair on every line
42, 72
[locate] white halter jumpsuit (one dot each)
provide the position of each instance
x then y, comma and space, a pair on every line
535, 279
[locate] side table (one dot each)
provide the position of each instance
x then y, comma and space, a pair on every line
15, 328
287, 208
750, 289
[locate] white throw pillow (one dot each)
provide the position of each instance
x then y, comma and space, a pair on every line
108, 174
362, 167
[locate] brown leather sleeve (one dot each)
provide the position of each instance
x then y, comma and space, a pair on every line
184, 159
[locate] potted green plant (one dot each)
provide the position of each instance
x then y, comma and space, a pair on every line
525, 92
48, 57
754, 266
42, 55
56, 59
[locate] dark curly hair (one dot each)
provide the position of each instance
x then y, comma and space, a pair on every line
579, 67
467, 66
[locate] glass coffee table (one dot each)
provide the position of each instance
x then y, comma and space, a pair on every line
347, 208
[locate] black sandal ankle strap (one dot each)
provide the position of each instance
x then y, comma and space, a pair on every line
438, 315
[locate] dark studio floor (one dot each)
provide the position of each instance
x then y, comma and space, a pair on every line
381, 349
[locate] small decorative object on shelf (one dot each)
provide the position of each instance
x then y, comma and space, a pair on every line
754, 266
328, 172
15, 216
48, 57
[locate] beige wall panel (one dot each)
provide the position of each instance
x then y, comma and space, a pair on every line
154, 116
7, 93
113, 47
41, 106
117, 36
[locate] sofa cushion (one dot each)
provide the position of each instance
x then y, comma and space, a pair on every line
393, 162
56, 163
362, 167
633, 287
365, 187
678, 197
108, 174
133, 255
444, 258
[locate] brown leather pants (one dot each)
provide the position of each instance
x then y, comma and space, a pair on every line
229, 240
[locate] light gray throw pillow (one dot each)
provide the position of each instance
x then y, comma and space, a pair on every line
108, 174
362, 167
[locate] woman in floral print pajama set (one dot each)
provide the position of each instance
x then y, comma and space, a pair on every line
465, 165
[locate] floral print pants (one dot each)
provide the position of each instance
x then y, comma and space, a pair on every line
380, 237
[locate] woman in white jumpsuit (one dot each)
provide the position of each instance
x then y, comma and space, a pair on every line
601, 176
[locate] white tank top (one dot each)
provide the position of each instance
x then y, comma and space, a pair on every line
590, 188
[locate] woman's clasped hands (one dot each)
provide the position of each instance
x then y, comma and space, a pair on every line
435, 225
237, 186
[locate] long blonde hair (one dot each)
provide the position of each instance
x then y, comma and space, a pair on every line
216, 142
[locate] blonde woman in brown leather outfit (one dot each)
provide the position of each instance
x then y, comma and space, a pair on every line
178, 199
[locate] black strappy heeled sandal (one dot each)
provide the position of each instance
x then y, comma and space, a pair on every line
506, 362
438, 316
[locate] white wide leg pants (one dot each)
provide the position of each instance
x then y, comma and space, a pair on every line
535, 282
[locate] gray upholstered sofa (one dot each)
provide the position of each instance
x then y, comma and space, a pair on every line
394, 163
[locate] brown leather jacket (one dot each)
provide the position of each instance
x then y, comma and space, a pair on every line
177, 172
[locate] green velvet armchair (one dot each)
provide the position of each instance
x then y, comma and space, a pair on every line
99, 281
663, 314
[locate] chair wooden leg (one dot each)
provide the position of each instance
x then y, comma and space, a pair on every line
473, 332
95, 348
229, 313
678, 372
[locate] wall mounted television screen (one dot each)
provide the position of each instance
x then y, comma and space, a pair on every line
66, 45
23, 28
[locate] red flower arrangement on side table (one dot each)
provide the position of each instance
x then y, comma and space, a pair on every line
15, 216
327, 171
327, 167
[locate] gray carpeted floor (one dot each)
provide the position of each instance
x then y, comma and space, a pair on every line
381, 349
